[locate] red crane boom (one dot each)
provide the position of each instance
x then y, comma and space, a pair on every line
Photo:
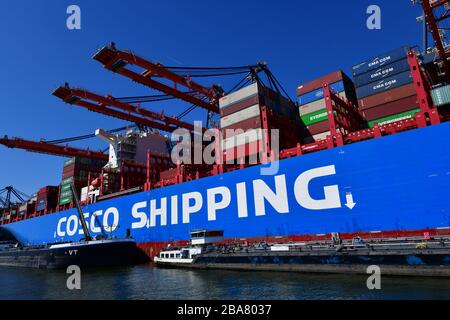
42, 147
116, 61
83, 98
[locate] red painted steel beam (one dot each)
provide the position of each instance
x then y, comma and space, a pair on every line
329, 106
116, 60
156, 70
42, 147
110, 101
423, 88
437, 3
167, 90
434, 29
65, 94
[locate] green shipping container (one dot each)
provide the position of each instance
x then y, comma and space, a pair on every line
65, 187
67, 181
65, 194
441, 96
64, 201
69, 162
394, 118
85, 161
315, 117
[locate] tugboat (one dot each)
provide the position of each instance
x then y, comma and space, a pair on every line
405, 257
91, 251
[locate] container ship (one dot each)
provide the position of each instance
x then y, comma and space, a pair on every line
365, 155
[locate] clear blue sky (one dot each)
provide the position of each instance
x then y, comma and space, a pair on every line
299, 39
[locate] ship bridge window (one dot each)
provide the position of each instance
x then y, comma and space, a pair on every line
205, 234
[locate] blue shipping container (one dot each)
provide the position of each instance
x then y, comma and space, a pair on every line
384, 85
380, 61
383, 72
428, 58
318, 94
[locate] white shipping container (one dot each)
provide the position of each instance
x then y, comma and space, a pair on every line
321, 136
237, 96
279, 248
239, 116
316, 137
84, 194
243, 138
316, 105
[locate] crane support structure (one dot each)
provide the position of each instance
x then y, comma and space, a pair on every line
428, 6
98, 103
116, 61
42, 147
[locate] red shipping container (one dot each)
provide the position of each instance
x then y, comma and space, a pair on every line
387, 96
168, 174
46, 190
317, 128
253, 123
241, 105
391, 108
320, 82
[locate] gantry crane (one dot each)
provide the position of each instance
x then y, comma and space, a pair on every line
153, 74
124, 111
429, 7
116, 61
7, 194
122, 108
57, 150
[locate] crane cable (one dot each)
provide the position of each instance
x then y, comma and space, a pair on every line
196, 72
87, 136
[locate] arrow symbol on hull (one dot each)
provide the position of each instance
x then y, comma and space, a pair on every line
350, 203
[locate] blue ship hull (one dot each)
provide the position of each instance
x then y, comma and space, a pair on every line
398, 182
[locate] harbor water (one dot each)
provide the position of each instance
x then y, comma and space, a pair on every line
148, 282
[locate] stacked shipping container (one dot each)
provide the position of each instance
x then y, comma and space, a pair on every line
441, 96
26, 209
46, 199
242, 123
312, 103
77, 170
384, 88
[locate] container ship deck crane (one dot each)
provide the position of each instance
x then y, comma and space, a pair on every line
116, 61
124, 111
429, 7
7, 194
51, 149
